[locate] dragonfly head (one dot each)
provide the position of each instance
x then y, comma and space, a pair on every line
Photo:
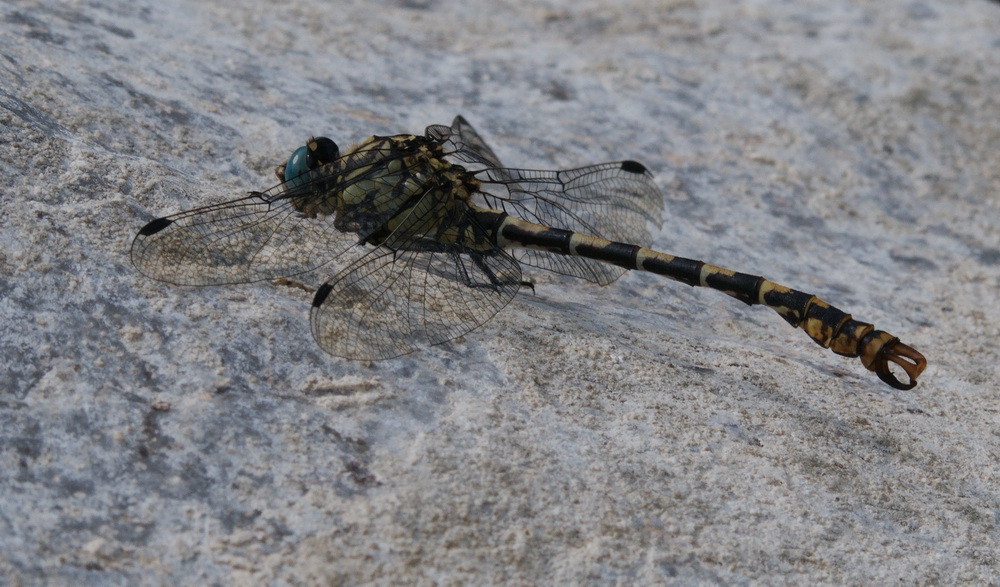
315, 153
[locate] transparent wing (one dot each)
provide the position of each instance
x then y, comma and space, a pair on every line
616, 201
463, 143
290, 229
412, 291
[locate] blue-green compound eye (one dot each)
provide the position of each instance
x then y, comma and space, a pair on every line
316, 153
297, 164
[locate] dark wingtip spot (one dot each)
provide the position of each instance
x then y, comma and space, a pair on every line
155, 226
321, 294
633, 167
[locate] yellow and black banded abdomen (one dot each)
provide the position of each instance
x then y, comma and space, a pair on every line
827, 325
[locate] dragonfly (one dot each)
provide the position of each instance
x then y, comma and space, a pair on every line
425, 237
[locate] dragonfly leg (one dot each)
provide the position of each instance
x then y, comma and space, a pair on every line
495, 282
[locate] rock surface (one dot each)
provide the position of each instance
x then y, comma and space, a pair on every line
642, 433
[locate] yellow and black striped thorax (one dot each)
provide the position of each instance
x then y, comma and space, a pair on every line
388, 178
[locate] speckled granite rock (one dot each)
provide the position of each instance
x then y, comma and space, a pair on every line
641, 433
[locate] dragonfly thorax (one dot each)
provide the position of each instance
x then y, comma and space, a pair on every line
405, 182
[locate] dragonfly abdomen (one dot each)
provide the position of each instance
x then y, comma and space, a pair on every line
828, 326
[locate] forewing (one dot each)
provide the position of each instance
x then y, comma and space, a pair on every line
288, 230
394, 300
241, 241
616, 201
460, 141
